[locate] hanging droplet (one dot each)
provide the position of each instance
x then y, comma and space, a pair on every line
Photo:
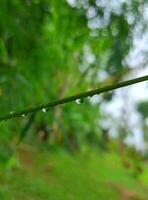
79, 101
45, 109
95, 99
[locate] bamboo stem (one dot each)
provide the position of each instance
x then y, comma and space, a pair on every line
73, 98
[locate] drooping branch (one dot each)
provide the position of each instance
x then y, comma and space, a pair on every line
73, 98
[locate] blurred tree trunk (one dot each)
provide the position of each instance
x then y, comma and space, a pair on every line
57, 134
121, 141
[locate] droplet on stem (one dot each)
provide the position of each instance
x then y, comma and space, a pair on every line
45, 109
79, 101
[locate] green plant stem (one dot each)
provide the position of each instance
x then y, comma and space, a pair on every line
73, 98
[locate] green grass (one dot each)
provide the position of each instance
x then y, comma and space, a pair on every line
60, 176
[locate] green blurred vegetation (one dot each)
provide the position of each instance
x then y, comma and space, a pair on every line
50, 49
58, 175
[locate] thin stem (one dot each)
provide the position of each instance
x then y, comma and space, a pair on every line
73, 98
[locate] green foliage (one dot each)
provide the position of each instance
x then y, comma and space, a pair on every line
61, 176
51, 49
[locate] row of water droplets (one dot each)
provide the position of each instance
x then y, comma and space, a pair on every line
78, 101
24, 115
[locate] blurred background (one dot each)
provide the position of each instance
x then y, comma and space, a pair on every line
98, 149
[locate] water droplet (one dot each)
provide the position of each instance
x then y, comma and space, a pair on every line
11, 112
23, 115
45, 109
95, 99
79, 101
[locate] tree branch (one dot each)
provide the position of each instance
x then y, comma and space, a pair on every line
73, 98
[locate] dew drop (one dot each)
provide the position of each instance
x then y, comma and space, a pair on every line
23, 115
11, 112
45, 109
79, 101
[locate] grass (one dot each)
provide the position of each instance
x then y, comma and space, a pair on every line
61, 176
